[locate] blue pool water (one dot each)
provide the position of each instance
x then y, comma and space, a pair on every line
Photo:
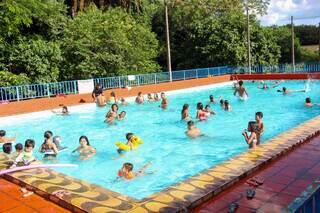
174, 156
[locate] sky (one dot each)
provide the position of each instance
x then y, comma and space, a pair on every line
279, 12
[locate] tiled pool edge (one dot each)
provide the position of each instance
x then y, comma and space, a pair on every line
180, 197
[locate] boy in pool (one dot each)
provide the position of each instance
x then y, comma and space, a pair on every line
241, 91
164, 102
19, 149
308, 103
193, 131
252, 139
127, 173
212, 100
260, 126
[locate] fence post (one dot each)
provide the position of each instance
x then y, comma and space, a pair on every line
196, 73
138, 80
184, 75
155, 78
18, 96
119, 81
208, 72
48, 90
75, 89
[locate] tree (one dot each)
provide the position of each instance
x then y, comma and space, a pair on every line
109, 43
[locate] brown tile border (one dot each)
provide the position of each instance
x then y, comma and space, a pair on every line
179, 197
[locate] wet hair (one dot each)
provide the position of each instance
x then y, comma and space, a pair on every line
259, 114
240, 83
113, 106
86, 138
199, 106
190, 123
2, 133
129, 135
226, 104
308, 100
252, 126
162, 93
66, 108
221, 101
128, 166
139, 93
211, 97
185, 106
7, 148
113, 94
18, 147
29, 143
47, 134
207, 106
284, 89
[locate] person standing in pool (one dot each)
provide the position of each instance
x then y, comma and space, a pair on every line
64, 111
201, 114
112, 99
241, 91
48, 145
193, 131
96, 92
140, 98
212, 100
252, 139
164, 102
260, 126
85, 150
185, 112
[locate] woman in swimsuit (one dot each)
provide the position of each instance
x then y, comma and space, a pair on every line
85, 150
48, 146
201, 114
252, 139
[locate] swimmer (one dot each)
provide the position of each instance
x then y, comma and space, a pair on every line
201, 115
252, 139
260, 126
26, 157
185, 112
208, 111
4, 139
225, 104
140, 98
285, 91
112, 113
212, 100
164, 102
308, 103
129, 137
101, 101
123, 102
150, 97
156, 97
97, 92
241, 91
264, 87
112, 99
122, 115
85, 150
48, 145
127, 173
193, 131
64, 111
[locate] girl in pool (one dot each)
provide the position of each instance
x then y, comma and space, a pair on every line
208, 111
122, 115
48, 146
164, 102
112, 113
185, 112
85, 150
252, 139
112, 98
127, 173
64, 111
201, 114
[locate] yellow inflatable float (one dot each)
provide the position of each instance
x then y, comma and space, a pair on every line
136, 141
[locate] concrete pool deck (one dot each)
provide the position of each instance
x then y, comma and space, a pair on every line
180, 197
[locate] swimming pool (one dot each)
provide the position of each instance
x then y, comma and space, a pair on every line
175, 157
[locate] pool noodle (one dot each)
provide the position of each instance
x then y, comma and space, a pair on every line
36, 166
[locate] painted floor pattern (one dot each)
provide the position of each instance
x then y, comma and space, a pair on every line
183, 196
285, 179
11, 201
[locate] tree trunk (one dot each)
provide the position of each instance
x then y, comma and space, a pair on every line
81, 5
74, 8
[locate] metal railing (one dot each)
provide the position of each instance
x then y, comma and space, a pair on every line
16, 93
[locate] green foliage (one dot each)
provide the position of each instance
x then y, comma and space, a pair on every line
309, 56
308, 34
9, 79
37, 58
107, 43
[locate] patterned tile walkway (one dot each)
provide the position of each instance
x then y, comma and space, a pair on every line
11, 201
285, 179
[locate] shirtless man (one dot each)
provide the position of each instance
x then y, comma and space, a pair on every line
241, 91
193, 131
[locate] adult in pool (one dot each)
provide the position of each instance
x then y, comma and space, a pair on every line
241, 91
193, 131
48, 145
85, 150
127, 173
97, 95
185, 112
260, 126
201, 114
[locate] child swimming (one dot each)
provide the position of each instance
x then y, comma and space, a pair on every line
260, 126
123, 102
285, 91
112, 113
212, 100
85, 150
193, 131
156, 97
127, 173
150, 97
7, 148
18, 150
225, 104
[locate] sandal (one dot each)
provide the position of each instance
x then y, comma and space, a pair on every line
233, 207
251, 193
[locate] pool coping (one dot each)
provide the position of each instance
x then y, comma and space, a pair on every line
179, 197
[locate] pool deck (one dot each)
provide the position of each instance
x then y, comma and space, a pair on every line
285, 179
